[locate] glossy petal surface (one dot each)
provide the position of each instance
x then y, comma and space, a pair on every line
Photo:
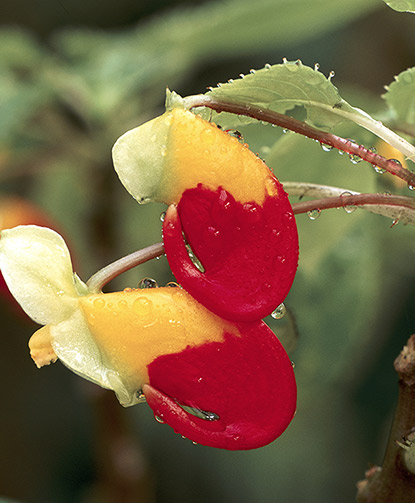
249, 252
247, 381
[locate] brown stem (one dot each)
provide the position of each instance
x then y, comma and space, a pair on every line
353, 200
302, 128
394, 482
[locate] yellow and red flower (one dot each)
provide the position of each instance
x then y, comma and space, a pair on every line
200, 355
232, 210
217, 382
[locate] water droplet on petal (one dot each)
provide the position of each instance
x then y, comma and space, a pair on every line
292, 364
279, 312
159, 419
99, 303
314, 214
123, 304
194, 443
172, 284
142, 307
148, 283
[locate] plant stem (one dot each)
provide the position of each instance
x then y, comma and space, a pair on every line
353, 200
302, 128
395, 481
97, 281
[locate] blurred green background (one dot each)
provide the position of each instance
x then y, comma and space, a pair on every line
73, 77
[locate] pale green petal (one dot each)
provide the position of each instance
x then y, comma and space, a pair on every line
36, 266
76, 348
138, 157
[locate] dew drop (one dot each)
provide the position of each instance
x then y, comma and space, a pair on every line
194, 443
331, 74
326, 148
285, 61
140, 396
292, 364
279, 312
142, 307
162, 216
316, 67
99, 303
148, 283
354, 159
231, 81
285, 131
314, 214
123, 304
267, 66
172, 284
378, 169
235, 134
395, 161
159, 419
411, 187
252, 71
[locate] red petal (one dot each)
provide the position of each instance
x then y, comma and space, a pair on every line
249, 252
247, 381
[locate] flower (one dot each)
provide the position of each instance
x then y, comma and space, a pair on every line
219, 383
232, 210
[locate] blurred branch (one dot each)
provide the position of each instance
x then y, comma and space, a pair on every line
394, 482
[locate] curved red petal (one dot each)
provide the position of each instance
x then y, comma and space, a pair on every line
249, 252
247, 381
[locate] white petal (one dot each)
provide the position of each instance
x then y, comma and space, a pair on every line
138, 157
76, 348
36, 266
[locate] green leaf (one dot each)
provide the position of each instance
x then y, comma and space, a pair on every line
280, 88
400, 96
284, 86
402, 5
